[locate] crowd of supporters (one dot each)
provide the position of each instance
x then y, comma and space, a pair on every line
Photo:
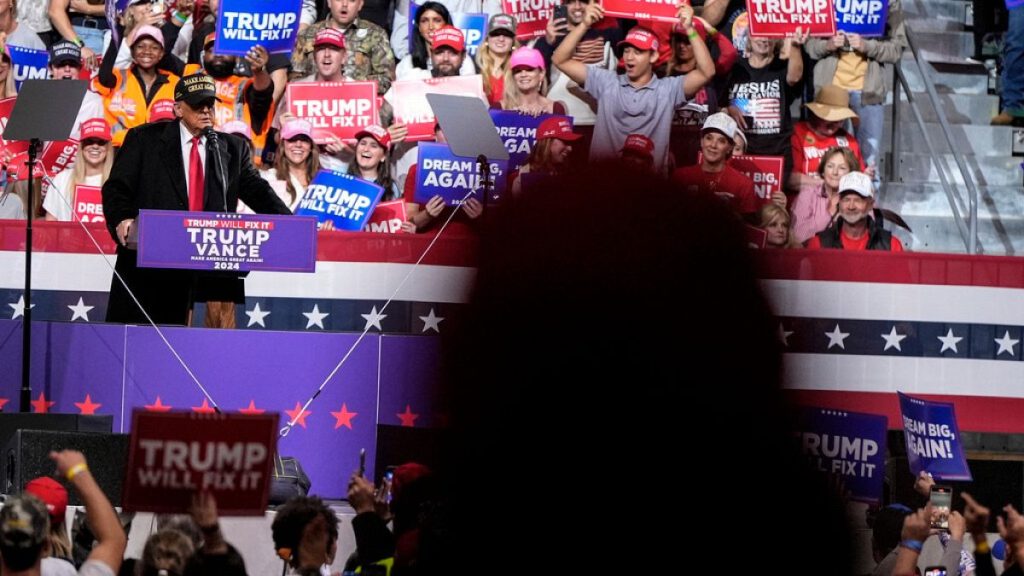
681, 99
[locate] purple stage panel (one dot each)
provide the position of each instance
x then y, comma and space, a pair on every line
410, 381
10, 359
70, 361
79, 367
272, 371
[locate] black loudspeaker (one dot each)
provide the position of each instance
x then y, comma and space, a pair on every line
10, 423
26, 456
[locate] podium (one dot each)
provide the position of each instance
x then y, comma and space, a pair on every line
236, 243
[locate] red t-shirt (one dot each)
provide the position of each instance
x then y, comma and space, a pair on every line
808, 147
497, 90
851, 244
409, 193
730, 185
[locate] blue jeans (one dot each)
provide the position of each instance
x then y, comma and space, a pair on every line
869, 130
1013, 63
92, 37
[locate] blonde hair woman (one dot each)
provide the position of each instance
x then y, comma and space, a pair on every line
91, 168
526, 85
10, 89
493, 55
775, 220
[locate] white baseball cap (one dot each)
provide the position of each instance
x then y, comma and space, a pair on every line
858, 182
720, 122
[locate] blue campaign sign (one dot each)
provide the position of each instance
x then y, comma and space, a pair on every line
29, 64
933, 439
848, 445
342, 199
864, 17
472, 24
518, 131
441, 173
242, 24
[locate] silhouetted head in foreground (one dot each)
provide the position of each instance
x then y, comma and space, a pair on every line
616, 395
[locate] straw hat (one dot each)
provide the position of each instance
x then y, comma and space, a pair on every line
832, 104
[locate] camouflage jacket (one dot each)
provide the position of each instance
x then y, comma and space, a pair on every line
367, 49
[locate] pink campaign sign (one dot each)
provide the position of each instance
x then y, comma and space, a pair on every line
662, 10
411, 106
88, 203
780, 18
174, 455
338, 108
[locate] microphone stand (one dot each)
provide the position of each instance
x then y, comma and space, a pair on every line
218, 164
485, 177
25, 398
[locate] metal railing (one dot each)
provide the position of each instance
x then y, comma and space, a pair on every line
969, 229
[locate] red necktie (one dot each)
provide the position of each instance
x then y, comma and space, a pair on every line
196, 182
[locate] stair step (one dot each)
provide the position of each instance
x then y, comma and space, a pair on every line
964, 78
941, 235
945, 9
945, 42
959, 108
979, 140
924, 24
926, 199
926, 210
984, 170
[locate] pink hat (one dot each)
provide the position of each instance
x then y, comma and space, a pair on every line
639, 144
378, 133
526, 57
94, 129
641, 39
162, 109
237, 127
295, 128
329, 37
449, 36
151, 31
51, 493
557, 127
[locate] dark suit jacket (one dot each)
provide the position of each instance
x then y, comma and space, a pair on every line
148, 173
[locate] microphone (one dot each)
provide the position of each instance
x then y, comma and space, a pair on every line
211, 137
210, 134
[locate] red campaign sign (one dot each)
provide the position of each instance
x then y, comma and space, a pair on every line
387, 217
338, 108
9, 148
756, 237
532, 16
660, 10
88, 203
56, 156
173, 455
765, 171
780, 18
411, 106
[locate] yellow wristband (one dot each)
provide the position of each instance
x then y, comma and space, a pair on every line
76, 470
982, 547
691, 33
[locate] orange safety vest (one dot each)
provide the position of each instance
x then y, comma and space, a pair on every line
231, 105
125, 104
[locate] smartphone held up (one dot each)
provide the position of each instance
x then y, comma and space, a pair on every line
942, 501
